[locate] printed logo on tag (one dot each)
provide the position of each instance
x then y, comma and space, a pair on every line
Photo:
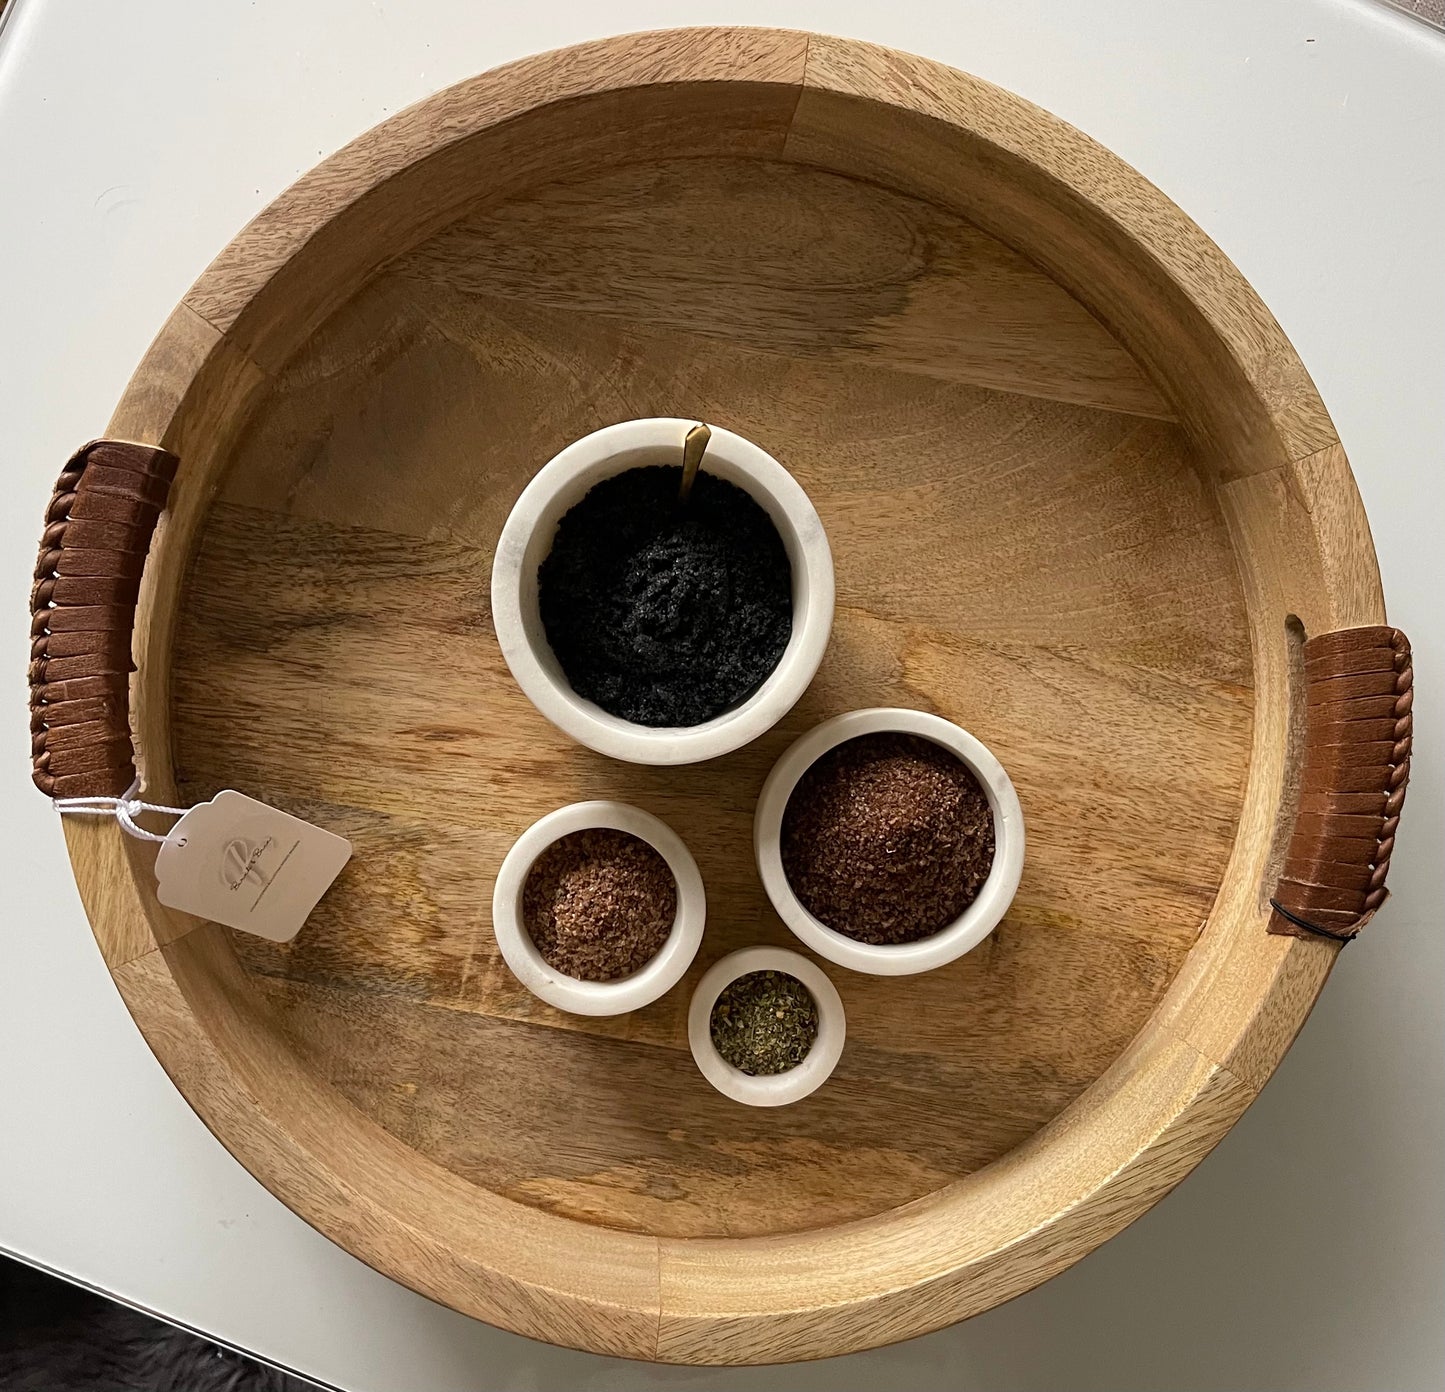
239, 862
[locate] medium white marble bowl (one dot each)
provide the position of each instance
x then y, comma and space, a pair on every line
527, 538
569, 993
776, 1089
976, 922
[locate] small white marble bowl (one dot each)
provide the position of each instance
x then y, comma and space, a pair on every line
951, 941
569, 993
527, 538
776, 1089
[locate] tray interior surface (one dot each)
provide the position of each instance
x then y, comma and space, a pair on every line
1023, 543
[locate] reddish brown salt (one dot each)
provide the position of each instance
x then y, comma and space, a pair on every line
599, 904
887, 838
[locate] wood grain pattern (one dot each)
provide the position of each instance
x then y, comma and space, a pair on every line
966, 1248
853, 272
361, 385
1097, 226
721, 91
497, 1259
310, 571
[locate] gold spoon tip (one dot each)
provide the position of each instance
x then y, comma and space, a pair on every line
694, 446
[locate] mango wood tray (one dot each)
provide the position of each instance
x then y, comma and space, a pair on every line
1083, 499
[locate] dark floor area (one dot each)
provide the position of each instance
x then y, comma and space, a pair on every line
55, 1337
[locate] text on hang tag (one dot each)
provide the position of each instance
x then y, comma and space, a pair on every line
238, 862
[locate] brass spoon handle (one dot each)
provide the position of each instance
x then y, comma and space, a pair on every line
694, 446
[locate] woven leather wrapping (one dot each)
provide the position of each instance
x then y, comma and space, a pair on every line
1358, 735
82, 611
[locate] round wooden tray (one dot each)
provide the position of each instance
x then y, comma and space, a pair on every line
1083, 499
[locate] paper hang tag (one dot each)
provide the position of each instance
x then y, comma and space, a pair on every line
239, 862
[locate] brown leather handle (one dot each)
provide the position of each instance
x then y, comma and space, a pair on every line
82, 612
1358, 734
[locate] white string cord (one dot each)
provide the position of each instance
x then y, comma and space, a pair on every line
124, 809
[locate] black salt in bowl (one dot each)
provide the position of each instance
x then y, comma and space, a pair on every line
716, 614
666, 613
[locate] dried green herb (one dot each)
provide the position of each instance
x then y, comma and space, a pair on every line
765, 1023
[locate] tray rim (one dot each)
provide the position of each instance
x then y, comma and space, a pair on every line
1215, 1038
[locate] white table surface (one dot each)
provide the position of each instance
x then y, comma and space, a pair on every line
1308, 137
